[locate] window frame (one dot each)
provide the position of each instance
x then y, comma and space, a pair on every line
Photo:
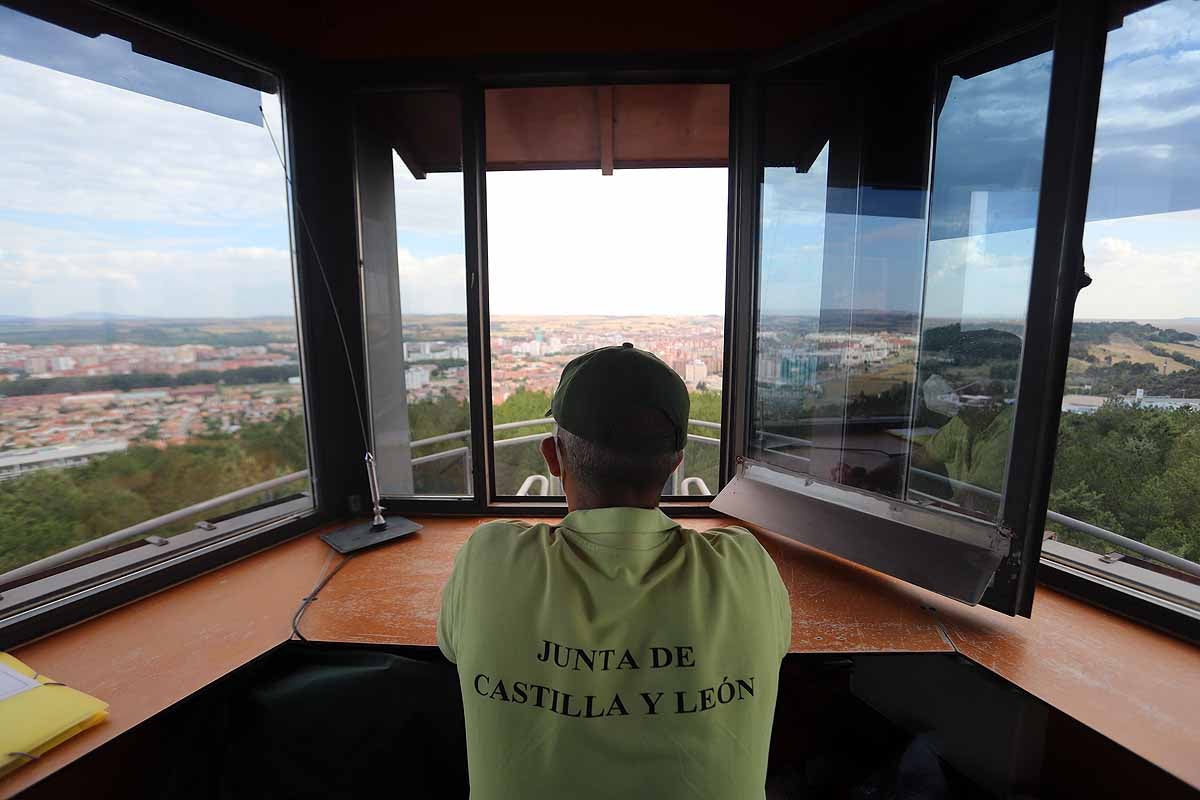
1078, 48
92, 584
471, 82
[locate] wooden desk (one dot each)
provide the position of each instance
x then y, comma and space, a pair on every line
1139, 688
392, 596
147, 656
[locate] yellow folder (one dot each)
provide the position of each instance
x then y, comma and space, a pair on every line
34, 720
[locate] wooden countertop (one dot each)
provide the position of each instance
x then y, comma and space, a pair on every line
1138, 687
392, 595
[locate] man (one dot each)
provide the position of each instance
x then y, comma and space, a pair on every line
615, 654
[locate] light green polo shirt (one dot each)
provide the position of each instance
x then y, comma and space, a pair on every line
615, 655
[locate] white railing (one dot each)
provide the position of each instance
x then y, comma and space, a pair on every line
142, 528
680, 483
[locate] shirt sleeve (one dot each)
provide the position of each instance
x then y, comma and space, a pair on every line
450, 611
783, 606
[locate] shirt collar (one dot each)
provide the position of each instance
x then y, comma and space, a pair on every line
619, 519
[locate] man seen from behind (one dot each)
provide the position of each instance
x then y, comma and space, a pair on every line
616, 654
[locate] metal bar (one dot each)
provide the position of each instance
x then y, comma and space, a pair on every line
444, 437
1141, 548
441, 454
507, 426
1079, 41
529, 423
133, 531
1153, 553
474, 161
529, 437
741, 274
528, 483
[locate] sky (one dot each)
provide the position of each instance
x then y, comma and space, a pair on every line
123, 202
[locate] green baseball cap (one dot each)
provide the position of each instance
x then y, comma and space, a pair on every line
600, 391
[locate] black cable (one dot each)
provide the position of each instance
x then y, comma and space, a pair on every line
337, 318
307, 601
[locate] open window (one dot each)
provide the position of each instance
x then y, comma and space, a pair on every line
900, 264
605, 216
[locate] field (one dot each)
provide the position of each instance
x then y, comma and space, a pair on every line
1124, 348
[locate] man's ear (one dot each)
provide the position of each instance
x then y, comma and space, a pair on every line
678, 461
550, 453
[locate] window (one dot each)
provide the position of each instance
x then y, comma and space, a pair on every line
897, 213
606, 217
1127, 462
410, 183
150, 375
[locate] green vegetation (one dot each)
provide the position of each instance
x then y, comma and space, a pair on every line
48, 511
147, 380
1135, 471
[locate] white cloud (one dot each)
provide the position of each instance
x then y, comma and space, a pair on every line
973, 277
1167, 25
432, 285
227, 281
77, 147
1142, 268
636, 242
114, 201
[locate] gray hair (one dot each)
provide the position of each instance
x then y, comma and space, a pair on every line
603, 468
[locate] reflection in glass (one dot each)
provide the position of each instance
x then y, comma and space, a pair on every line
986, 175
889, 335
1127, 459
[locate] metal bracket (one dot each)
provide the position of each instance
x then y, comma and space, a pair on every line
157, 541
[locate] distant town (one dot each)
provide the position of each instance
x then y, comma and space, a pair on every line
41, 427
105, 386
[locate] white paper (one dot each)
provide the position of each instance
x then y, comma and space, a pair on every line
13, 682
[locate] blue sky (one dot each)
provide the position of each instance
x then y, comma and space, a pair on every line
115, 200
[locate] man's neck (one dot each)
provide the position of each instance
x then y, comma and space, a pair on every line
623, 501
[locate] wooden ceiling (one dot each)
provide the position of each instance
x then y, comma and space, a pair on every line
561, 127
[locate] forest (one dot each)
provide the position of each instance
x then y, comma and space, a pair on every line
48, 511
1135, 471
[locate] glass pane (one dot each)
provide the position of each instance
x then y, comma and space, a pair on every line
1128, 457
891, 316
415, 294
580, 259
986, 176
148, 349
